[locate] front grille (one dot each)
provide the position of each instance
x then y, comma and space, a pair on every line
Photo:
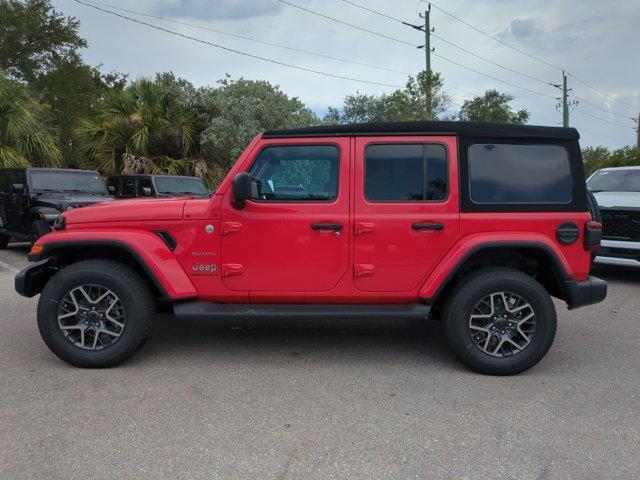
620, 224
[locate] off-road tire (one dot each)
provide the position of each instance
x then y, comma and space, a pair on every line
39, 228
131, 289
464, 295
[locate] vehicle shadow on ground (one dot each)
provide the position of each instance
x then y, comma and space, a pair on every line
412, 341
626, 275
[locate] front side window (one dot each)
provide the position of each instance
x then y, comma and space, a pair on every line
296, 173
512, 173
405, 172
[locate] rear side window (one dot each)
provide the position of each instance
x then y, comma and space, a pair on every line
406, 172
510, 173
296, 173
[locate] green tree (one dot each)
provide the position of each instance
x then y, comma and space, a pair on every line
236, 110
595, 158
40, 47
142, 128
35, 38
25, 135
493, 106
423, 98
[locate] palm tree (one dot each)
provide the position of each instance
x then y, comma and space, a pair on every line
25, 136
143, 128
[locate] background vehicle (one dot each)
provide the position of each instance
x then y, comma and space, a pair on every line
32, 198
130, 186
617, 191
478, 223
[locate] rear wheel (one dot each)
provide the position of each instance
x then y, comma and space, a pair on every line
499, 321
95, 313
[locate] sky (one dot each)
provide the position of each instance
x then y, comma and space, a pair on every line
596, 42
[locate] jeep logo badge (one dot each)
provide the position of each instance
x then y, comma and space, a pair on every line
209, 229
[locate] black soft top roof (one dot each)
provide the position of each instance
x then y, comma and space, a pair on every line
466, 129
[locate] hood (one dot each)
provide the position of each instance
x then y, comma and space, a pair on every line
150, 209
61, 201
618, 199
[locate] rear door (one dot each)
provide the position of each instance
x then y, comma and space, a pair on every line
293, 234
406, 209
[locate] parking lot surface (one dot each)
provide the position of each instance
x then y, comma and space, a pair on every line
322, 399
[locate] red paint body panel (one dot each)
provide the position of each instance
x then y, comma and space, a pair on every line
403, 256
267, 252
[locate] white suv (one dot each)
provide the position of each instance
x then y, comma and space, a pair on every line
617, 191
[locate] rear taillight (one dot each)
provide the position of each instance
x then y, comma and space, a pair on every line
592, 235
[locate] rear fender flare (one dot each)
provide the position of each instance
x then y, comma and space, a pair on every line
446, 270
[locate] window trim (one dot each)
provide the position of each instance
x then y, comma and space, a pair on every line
423, 143
303, 202
480, 204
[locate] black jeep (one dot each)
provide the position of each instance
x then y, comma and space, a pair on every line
32, 198
145, 185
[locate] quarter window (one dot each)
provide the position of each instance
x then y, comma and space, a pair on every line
299, 173
405, 172
504, 173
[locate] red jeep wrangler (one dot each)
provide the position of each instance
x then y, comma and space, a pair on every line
478, 224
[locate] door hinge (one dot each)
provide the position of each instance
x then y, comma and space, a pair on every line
364, 227
230, 227
230, 269
364, 270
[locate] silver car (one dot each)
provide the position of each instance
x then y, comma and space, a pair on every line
617, 191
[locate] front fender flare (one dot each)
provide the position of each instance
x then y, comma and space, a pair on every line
147, 248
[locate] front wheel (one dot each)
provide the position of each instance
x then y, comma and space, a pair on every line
95, 313
499, 321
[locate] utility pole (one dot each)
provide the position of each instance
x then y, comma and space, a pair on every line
637, 120
565, 103
427, 29
427, 38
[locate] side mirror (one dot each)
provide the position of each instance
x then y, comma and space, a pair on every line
112, 189
18, 188
241, 189
146, 191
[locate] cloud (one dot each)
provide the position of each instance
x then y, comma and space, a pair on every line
523, 29
218, 10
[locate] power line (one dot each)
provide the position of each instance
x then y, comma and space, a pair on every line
243, 37
602, 92
492, 77
435, 54
531, 77
239, 52
373, 32
602, 119
586, 102
493, 37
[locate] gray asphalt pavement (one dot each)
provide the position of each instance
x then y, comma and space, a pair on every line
322, 399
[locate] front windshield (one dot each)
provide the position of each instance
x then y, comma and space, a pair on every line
67, 181
615, 181
180, 186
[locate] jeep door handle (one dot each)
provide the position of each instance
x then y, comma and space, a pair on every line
427, 226
326, 226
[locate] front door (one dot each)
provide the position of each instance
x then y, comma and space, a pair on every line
293, 234
406, 209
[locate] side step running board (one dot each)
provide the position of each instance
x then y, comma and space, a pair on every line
201, 309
